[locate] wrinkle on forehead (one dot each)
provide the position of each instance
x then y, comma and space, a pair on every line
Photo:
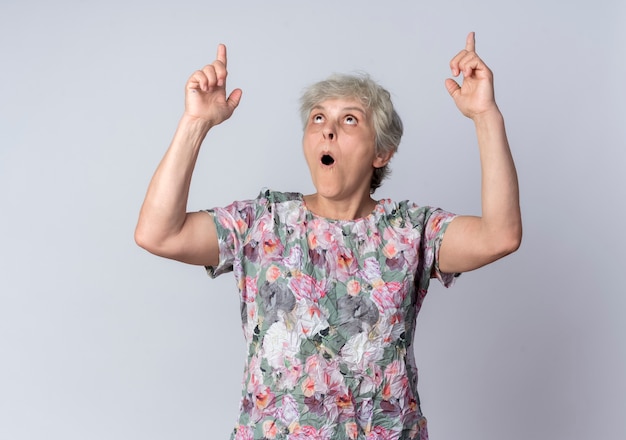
348, 108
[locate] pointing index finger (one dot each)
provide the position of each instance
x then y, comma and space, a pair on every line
221, 54
470, 42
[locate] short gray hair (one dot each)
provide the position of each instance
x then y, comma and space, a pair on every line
387, 122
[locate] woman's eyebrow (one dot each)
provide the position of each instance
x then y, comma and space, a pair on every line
358, 109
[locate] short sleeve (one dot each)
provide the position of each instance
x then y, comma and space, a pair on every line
232, 224
435, 226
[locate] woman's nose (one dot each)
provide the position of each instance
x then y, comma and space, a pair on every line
328, 132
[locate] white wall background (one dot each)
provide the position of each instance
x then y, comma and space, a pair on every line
100, 340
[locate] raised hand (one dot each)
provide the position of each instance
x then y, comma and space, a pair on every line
205, 92
475, 96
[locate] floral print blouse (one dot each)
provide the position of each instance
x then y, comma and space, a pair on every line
328, 309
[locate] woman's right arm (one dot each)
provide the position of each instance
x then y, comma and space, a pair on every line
165, 228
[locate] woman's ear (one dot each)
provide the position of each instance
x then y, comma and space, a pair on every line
382, 159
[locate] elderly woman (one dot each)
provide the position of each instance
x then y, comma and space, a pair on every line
331, 282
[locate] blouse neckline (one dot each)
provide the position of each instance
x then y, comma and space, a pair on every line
374, 213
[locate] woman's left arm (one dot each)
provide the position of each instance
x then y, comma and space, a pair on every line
471, 242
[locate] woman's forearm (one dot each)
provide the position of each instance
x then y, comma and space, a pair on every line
501, 217
164, 210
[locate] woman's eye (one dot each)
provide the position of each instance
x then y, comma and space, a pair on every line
350, 120
318, 118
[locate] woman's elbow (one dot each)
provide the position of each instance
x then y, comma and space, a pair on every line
146, 240
141, 239
510, 241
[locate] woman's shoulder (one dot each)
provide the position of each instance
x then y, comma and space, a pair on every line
408, 214
254, 208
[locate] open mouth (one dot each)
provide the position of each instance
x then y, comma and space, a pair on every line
327, 159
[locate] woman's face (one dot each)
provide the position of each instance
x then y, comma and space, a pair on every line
339, 146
